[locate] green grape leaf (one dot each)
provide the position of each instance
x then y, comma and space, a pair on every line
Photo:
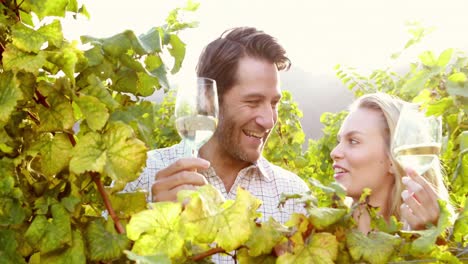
70, 203
52, 33
230, 224
11, 211
17, 60
97, 89
301, 224
126, 154
94, 56
428, 58
417, 82
146, 84
153, 62
75, 254
151, 40
89, 154
390, 227
36, 230
9, 95
242, 212
125, 81
377, 247
95, 112
7, 183
244, 257
127, 204
458, 77
460, 228
439, 107
457, 84
50, 234
323, 217
104, 245
30, 40
8, 247
58, 232
116, 45
55, 154
123, 42
44, 8
72, 6
27, 82
157, 230
58, 116
426, 242
322, 248
132, 63
117, 153
177, 51
42, 204
444, 58
141, 117
83, 11
26, 38
7, 169
151, 259
161, 74
66, 58
264, 237
199, 215
463, 138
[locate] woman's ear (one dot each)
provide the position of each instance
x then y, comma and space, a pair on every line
391, 168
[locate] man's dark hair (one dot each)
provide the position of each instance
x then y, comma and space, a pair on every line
220, 59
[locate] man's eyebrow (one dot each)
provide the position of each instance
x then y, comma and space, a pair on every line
254, 95
260, 95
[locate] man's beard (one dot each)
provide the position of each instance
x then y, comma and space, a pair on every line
225, 136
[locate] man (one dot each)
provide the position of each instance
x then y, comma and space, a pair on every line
244, 62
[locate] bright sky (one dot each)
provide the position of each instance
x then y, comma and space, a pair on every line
317, 34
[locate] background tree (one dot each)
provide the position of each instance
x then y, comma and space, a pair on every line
73, 121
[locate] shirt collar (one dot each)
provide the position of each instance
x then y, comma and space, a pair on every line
263, 167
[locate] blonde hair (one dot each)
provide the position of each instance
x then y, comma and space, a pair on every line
390, 106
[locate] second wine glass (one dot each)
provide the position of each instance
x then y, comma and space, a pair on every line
196, 113
417, 139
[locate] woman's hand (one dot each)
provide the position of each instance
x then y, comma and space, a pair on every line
420, 205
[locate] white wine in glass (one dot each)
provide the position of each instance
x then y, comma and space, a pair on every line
417, 138
196, 112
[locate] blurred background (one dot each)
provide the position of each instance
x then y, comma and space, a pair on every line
316, 34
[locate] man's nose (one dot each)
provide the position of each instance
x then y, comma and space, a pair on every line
267, 117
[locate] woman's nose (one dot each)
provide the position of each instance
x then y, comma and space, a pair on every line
336, 152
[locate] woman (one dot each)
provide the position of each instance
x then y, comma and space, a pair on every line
362, 159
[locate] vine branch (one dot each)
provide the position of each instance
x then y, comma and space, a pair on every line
97, 179
41, 99
208, 253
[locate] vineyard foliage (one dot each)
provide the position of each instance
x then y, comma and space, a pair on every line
74, 121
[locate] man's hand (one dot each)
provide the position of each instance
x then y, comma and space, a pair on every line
420, 205
180, 175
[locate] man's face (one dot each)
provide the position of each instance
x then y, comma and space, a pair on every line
248, 111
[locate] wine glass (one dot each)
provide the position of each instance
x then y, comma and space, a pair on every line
417, 139
196, 113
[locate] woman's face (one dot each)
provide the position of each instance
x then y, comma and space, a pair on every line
360, 159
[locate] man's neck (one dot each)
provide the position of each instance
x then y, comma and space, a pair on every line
226, 167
